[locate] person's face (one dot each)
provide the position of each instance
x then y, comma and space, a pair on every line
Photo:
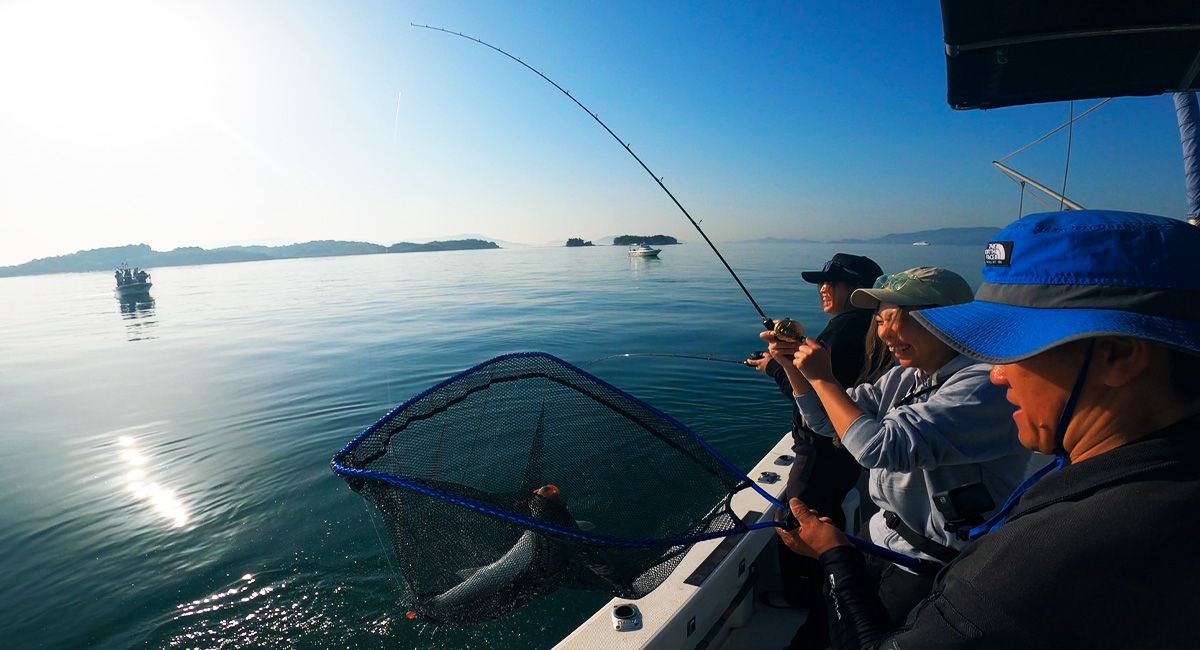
835, 297
1039, 386
912, 345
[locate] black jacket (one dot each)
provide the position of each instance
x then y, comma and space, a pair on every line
1097, 555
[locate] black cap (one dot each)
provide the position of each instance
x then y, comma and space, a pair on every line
855, 269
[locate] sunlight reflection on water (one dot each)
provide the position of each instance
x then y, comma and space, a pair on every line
161, 499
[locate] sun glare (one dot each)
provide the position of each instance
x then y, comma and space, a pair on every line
131, 112
104, 64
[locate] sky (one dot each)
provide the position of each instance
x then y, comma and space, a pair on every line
234, 122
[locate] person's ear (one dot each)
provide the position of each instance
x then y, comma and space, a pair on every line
1120, 361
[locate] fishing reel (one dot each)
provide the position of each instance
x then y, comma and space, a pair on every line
785, 329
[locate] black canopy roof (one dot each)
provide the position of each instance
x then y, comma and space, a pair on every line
1012, 52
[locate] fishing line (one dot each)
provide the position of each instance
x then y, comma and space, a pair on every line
767, 322
628, 355
395, 570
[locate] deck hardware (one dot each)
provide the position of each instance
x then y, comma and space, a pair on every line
768, 478
626, 617
784, 459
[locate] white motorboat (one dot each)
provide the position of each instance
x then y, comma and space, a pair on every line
643, 250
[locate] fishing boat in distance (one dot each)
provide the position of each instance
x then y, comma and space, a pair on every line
643, 250
921, 243
131, 283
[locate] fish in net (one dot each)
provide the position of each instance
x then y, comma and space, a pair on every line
525, 474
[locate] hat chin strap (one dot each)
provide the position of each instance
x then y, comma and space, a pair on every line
1060, 452
1068, 411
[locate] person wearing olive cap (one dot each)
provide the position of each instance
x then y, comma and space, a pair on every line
1093, 322
823, 473
930, 427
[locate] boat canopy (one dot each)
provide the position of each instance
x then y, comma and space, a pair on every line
1013, 52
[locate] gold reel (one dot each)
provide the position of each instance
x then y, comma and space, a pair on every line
788, 330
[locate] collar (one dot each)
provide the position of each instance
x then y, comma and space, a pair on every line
854, 314
1177, 445
943, 373
924, 384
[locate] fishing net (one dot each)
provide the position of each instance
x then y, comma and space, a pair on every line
525, 474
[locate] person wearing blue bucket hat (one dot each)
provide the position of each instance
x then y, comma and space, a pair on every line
1069, 276
1092, 321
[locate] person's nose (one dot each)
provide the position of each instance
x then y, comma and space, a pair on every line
999, 375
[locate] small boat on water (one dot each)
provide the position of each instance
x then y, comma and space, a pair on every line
921, 243
131, 283
643, 250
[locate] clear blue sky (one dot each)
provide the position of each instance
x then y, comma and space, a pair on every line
218, 122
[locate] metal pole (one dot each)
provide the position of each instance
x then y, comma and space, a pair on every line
1021, 177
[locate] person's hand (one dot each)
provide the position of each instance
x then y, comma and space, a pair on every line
781, 351
759, 363
814, 536
813, 361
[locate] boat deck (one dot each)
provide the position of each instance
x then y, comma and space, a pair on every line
711, 600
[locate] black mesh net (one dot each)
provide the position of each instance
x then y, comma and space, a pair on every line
526, 474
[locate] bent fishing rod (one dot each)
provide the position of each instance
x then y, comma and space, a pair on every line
784, 329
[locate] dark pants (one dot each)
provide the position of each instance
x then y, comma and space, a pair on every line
899, 590
821, 476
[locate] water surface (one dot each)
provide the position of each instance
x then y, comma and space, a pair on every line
165, 464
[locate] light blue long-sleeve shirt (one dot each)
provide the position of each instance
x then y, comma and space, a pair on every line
960, 433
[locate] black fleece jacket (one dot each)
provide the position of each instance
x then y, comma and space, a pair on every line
1101, 554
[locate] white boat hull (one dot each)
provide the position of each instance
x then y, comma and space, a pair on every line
720, 611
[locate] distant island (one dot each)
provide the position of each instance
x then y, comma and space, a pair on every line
944, 236
106, 259
575, 241
653, 240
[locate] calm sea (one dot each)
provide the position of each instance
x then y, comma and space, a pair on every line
165, 465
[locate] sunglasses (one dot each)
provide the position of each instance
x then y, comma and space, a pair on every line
895, 281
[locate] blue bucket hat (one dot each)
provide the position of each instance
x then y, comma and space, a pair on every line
1053, 278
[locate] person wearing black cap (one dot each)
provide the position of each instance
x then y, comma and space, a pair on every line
1091, 320
824, 472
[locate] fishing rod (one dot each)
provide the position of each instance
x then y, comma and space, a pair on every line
784, 329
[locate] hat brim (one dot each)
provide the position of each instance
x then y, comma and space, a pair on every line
995, 333
870, 298
840, 275
821, 277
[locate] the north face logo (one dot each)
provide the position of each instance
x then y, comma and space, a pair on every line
998, 253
